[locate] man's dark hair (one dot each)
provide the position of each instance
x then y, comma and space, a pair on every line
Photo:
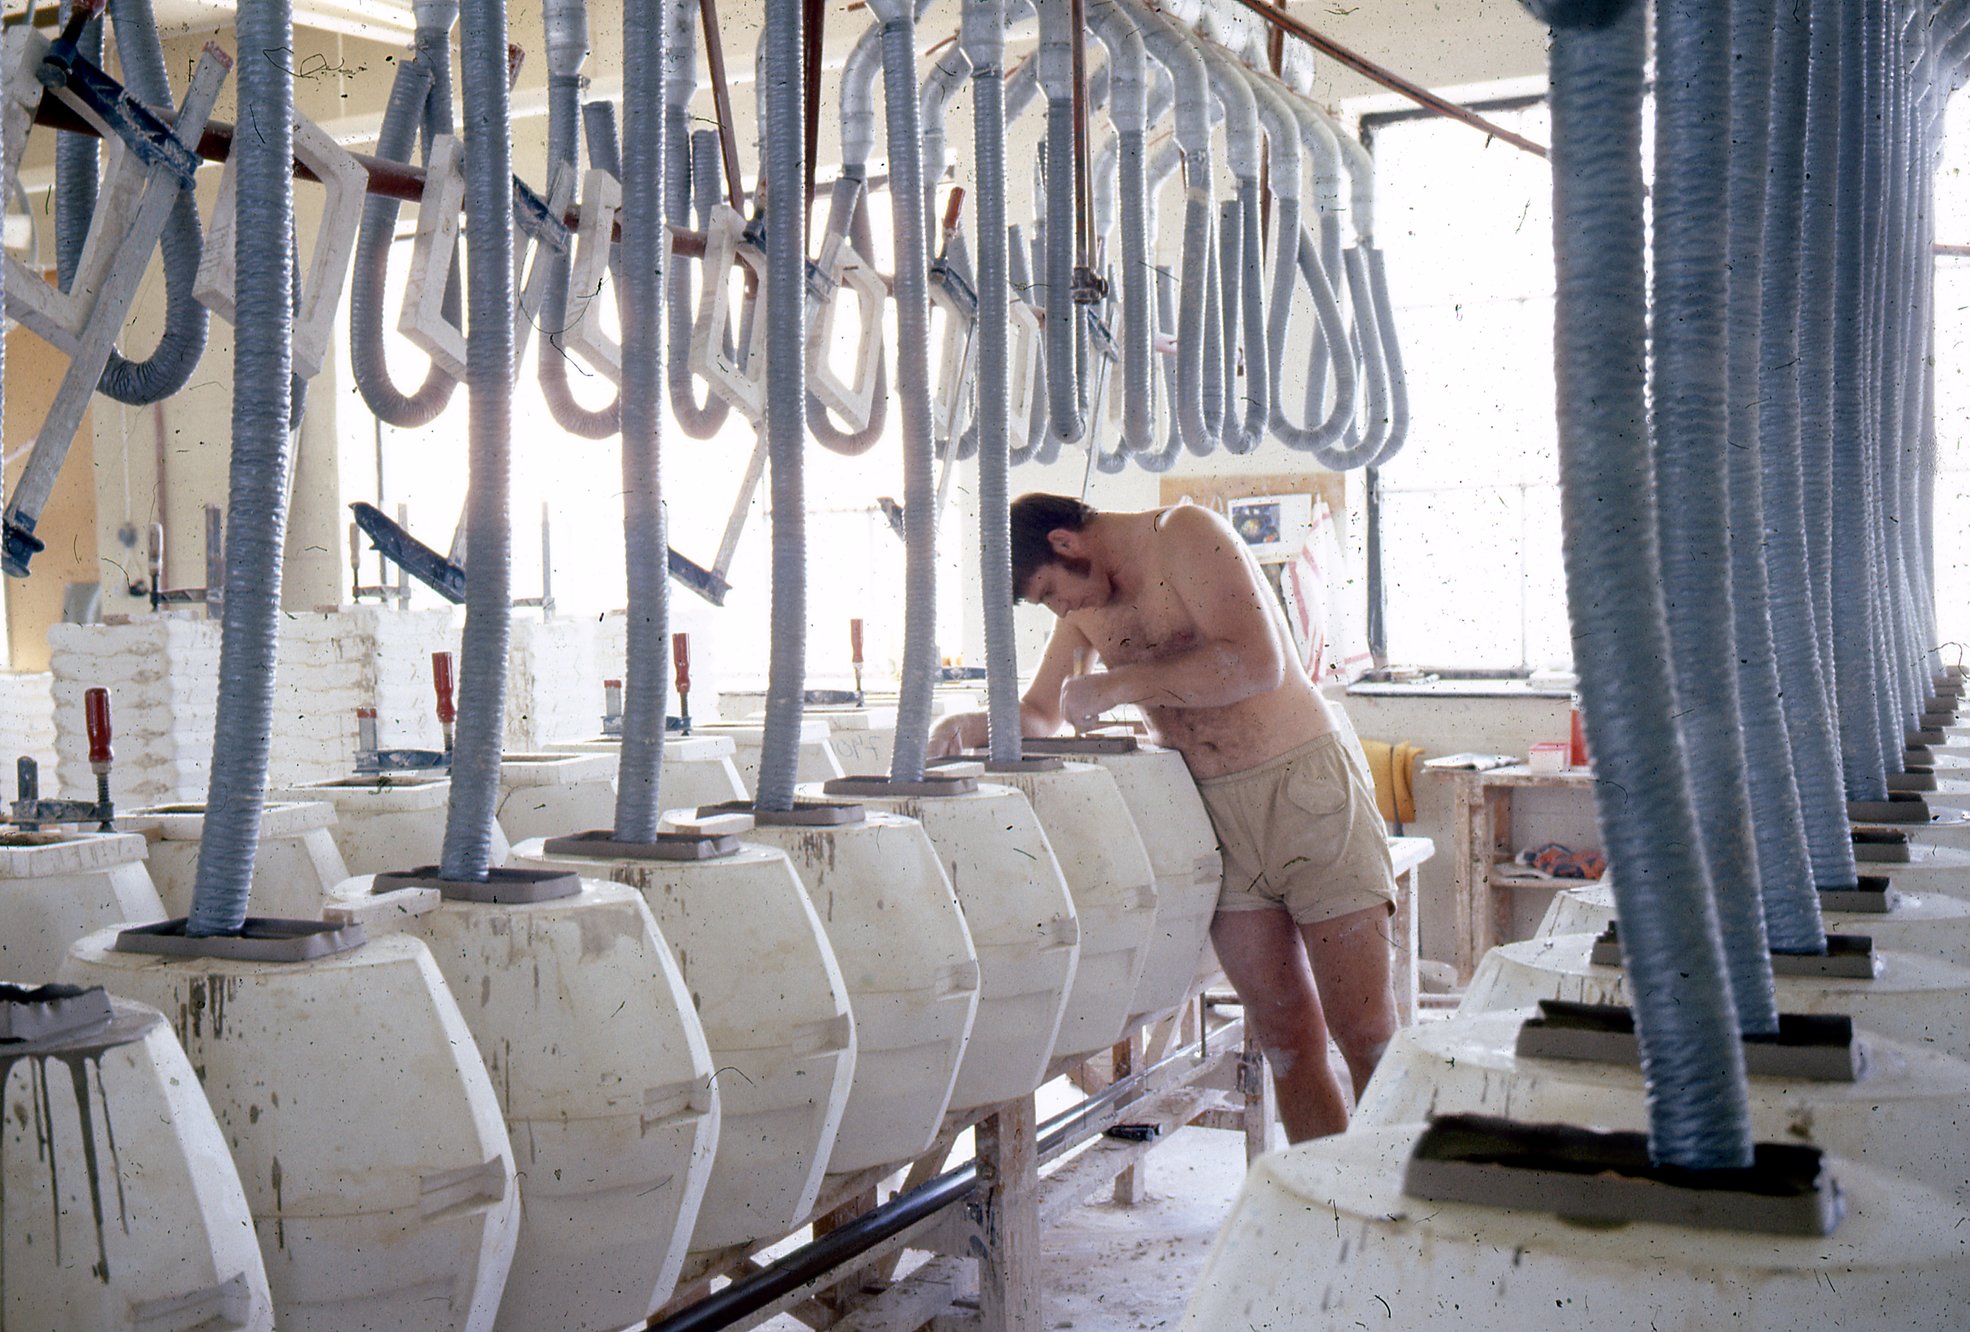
1033, 516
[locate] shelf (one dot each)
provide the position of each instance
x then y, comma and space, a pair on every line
1501, 879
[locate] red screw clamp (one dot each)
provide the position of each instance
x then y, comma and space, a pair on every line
441, 679
680, 656
95, 717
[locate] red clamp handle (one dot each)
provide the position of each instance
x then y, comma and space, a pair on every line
680, 657
953, 212
855, 641
95, 717
441, 680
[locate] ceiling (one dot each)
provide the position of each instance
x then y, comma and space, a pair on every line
379, 20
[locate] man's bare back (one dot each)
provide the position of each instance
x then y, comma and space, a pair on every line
1188, 630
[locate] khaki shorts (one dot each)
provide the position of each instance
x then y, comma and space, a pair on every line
1301, 832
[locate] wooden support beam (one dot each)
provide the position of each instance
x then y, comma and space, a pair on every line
1009, 1219
1128, 1183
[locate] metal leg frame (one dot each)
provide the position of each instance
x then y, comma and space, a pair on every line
1193, 1067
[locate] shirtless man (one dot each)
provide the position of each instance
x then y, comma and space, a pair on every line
1189, 632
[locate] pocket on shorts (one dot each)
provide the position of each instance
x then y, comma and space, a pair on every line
1318, 786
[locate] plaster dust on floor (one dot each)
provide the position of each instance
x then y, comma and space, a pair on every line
1118, 1269
1107, 1268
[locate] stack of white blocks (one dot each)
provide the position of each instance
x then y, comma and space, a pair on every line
332, 663
162, 672
27, 724
553, 690
687, 615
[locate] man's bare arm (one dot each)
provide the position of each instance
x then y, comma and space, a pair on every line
1039, 709
1238, 654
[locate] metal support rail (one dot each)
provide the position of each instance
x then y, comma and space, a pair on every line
1173, 1088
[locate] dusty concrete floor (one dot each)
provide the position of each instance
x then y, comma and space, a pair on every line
1118, 1269
1114, 1269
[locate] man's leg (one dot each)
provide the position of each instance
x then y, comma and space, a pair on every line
1265, 962
1350, 956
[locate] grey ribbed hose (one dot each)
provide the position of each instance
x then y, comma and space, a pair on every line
1024, 262
899, 82
1217, 337
1066, 422
984, 39
645, 542
77, 162
1164, 458
1395, 379
480, 731
182, 342
186, 320
1329, 254
1242, 263
857, 139
785, 150
1248, 277
1796, 639
1692, 1065
1892, 708
551, 359
1785, 876
420, 98
1196, 424
1820, 210
1321, 438
1893, 286
1366, 433
1128, 110
1692, 135
598, 127
855, 443
1852, 590
256, 481
692, 174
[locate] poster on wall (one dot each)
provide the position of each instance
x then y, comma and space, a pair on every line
1274, 526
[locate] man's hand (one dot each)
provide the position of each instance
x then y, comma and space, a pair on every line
958, 732
1083, 698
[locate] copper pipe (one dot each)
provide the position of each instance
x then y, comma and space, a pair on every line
1953, 251
395, 180
814, 22
1081, 167
721, 101
1375, 73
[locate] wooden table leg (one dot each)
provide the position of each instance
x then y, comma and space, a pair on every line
1470, 875
1009, 1219
1403, 944
1258, 1108
1128, 1184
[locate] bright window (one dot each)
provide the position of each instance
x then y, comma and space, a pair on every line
1469, 510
